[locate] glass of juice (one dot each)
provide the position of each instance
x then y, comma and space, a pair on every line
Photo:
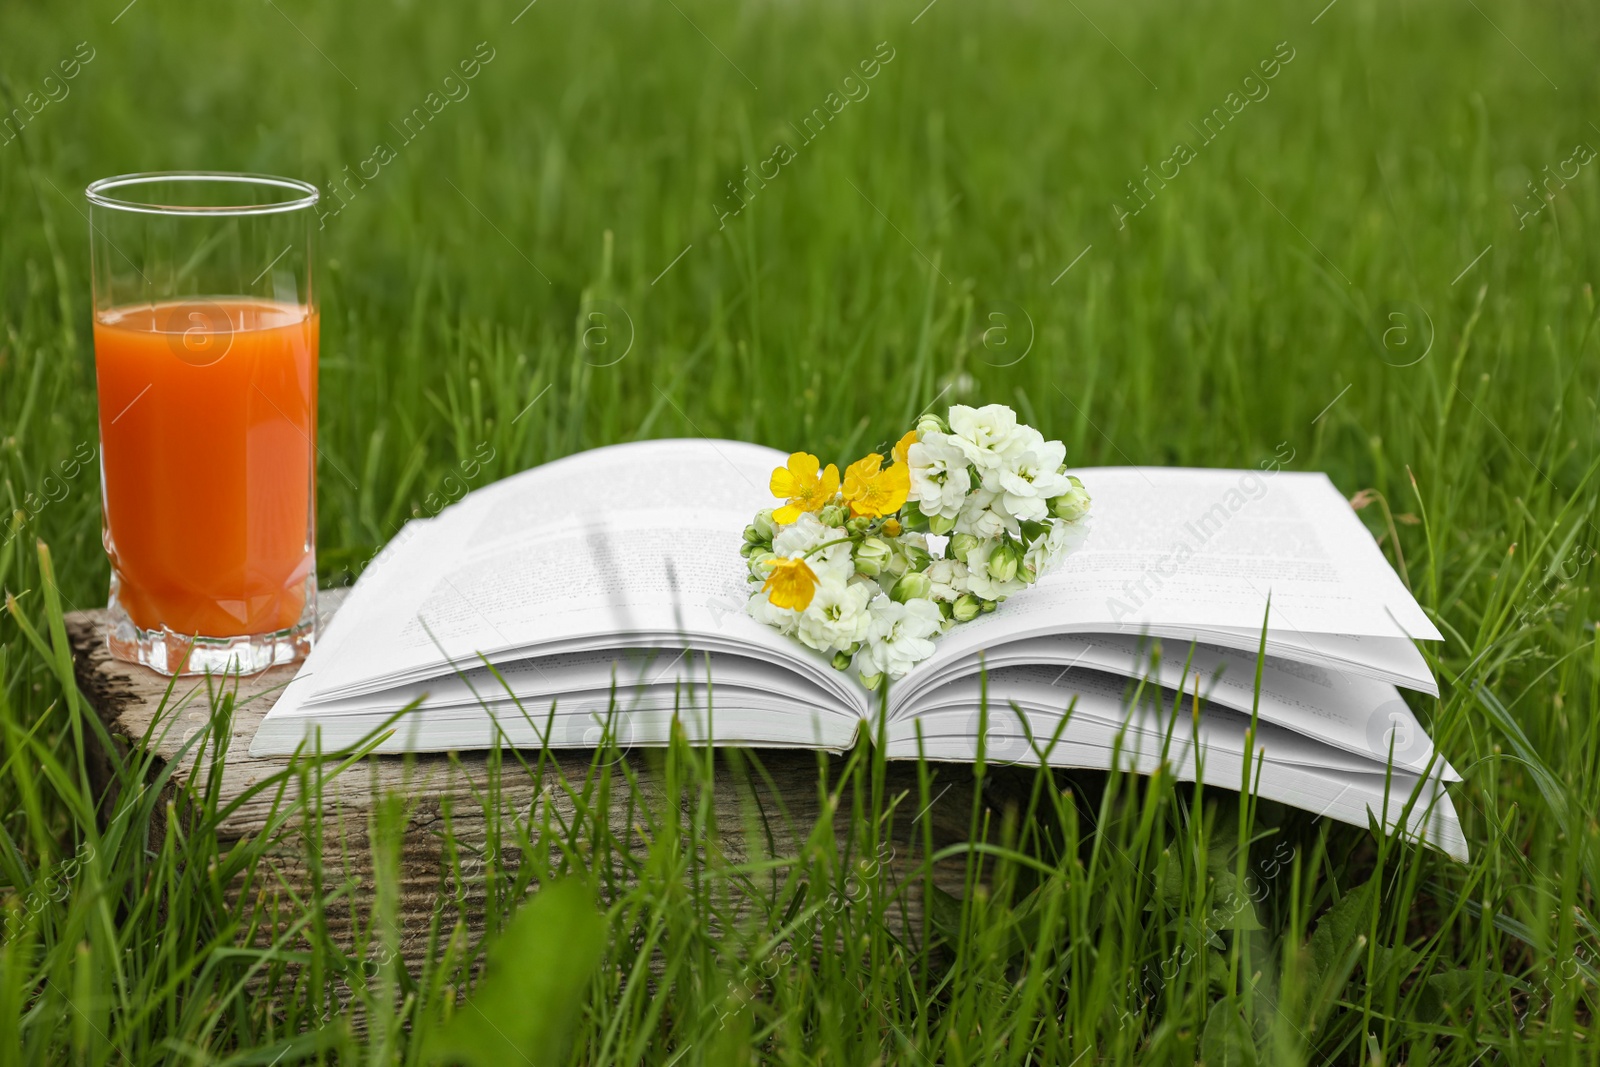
205, 346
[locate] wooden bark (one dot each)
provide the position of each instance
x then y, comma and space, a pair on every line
778, 808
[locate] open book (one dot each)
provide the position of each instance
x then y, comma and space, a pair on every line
605, 592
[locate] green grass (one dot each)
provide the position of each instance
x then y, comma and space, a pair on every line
1302, 284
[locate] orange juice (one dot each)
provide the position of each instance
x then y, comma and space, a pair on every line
208, 413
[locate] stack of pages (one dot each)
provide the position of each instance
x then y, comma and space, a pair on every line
606, 592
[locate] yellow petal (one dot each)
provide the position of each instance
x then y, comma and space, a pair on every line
783, 484
786, 514
858, 479
865, 467
902, 448
791, 584
896, 485
830, 482
803, 465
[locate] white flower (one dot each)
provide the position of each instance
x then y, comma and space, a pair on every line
988, 435
837, 616
949, 578
915, 539
1020, 441
901, 635
984, 516
939, 475
802, 535
1048, 550
759, 608
1032, 478
980, 582
806, 533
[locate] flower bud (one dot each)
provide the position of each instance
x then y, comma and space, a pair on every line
758, 562
858, 525
764, 525
961, 544
912, 586
833, 515
986, 606
1003, 562
930, 423
892, 527
752, 535
841, 661
872, 555
1071, 505
871, 681
966, 608
938, 524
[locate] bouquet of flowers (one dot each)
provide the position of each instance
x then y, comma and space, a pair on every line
869, 569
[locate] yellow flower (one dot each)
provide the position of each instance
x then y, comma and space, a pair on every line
873, 492
803, 488
902, 450
791, 584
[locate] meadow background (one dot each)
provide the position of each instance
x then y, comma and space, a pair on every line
1382, 266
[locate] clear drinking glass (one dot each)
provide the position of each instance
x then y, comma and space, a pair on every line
205, 343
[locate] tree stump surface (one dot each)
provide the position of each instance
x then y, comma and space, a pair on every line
759, 815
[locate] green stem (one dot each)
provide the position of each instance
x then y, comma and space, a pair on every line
826, 544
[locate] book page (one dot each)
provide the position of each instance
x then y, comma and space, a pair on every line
622, 542
586, 718
1102, 711
1196, 553
1103, 731
1207, 547
1391, 659
582, 718
538, 680
1353, 714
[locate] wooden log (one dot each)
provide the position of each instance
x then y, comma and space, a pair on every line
759, 815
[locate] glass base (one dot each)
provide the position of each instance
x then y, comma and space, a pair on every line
168, 652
